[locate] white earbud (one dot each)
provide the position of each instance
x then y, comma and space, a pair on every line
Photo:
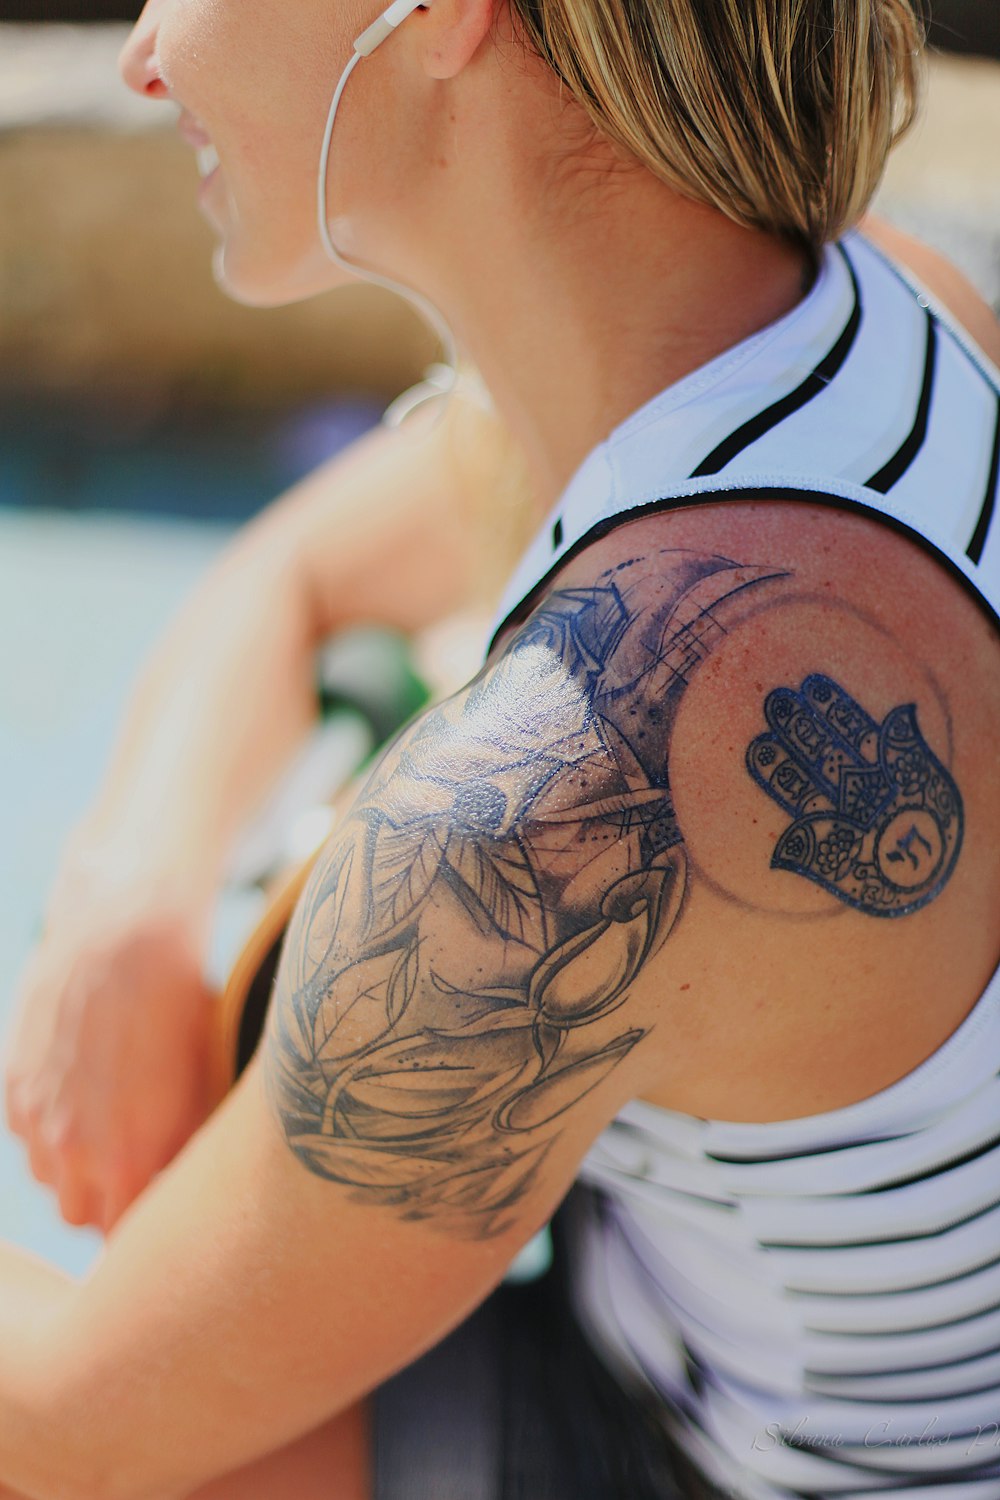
387, 21
364, 45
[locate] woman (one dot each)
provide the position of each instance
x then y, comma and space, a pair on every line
708, 849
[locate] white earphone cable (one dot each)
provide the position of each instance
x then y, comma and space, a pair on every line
441, 378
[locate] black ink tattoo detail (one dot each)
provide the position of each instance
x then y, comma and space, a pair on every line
454, 974
878, 819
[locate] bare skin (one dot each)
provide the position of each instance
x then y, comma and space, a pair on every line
224, 700
688, 1037
515, 932
620, 983
333, 1460
119, 967
695, 1075
708, 1073
520, 925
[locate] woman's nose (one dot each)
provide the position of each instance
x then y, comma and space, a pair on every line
137, 62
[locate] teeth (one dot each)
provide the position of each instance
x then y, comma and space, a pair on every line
207, 158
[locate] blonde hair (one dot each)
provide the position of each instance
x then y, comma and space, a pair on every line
780, 113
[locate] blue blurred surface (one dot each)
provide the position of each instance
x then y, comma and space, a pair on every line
81, 601
105, 455
83, 594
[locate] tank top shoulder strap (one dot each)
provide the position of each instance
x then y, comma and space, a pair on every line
865, 397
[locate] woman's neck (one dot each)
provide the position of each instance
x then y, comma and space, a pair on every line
580, 304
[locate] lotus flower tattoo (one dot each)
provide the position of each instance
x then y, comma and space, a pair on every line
531, 819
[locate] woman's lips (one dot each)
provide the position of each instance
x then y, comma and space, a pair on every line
192, 131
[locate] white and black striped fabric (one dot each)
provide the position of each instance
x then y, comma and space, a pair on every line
865, 396
816, 1301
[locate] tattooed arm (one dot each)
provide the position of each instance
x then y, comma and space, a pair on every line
464, 959
562, 889
452, 1025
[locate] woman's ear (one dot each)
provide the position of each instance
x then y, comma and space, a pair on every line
453, 32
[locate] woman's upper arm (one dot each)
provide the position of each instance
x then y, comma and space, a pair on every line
471, 984
242, 1301
394, 528
451, 1027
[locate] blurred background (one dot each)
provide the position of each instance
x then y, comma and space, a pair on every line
143, 417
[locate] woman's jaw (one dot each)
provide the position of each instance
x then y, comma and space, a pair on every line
252, 80
578, 283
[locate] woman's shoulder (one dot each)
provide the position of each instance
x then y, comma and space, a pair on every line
816, 699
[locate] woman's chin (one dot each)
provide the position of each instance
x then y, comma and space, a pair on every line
245, 278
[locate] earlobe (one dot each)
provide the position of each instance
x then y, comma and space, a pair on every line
455, 31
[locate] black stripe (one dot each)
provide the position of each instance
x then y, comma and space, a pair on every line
940, 314
893, 1239
878, 1398
897, 1369
946, 1165
897, 1291
892, 472
604, 527
764, 1161
975, 549
901, 1333
729, 1204
813, 385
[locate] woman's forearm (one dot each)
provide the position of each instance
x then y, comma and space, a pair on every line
32, 1295
228, 694
220, 706
384, 532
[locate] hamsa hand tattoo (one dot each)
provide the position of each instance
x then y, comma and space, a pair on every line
878, 819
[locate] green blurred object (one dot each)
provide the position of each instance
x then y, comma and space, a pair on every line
370, 668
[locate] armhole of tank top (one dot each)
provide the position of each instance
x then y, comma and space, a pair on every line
818, 496
942, 314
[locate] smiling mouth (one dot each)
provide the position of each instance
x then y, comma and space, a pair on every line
193, 131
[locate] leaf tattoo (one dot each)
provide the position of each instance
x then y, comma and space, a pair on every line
457, 973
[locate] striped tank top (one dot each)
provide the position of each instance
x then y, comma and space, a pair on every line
813, 1303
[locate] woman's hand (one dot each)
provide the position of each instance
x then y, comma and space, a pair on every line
110, 1064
